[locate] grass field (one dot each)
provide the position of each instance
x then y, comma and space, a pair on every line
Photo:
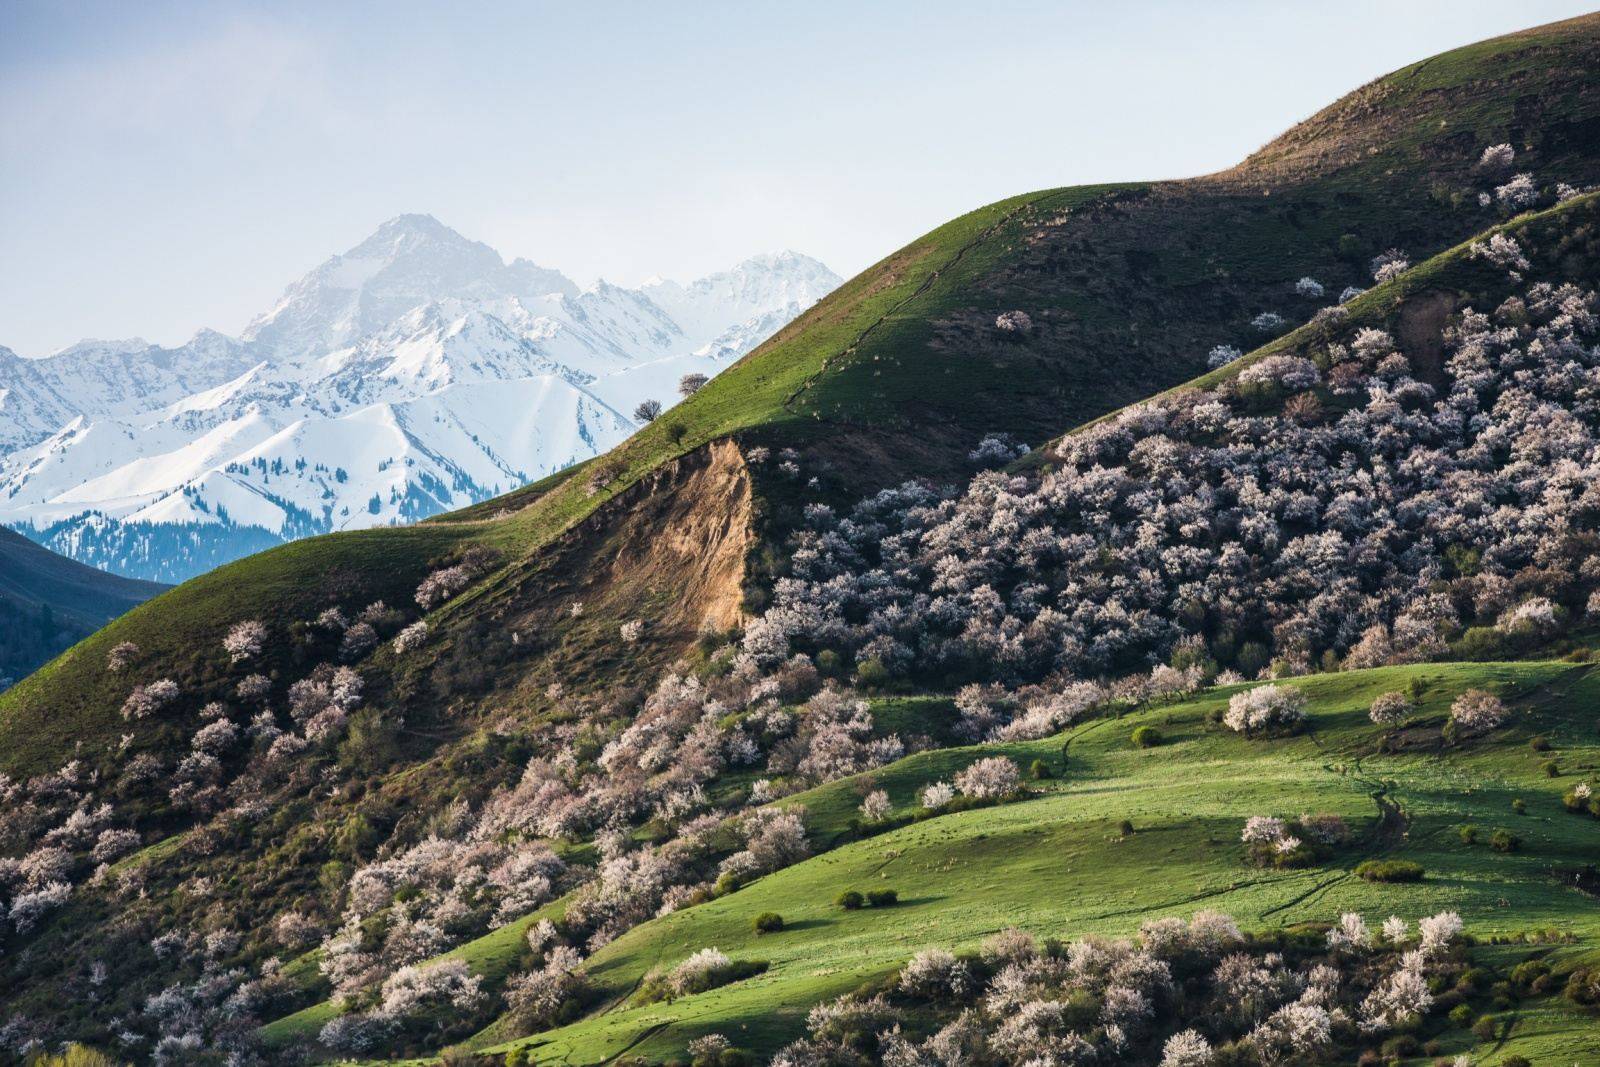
1058, 865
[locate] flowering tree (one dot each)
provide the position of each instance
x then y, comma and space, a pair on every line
691, 384
1389, 264
935, 974
411, 638
1265, 708
1390, 709
989, 778
245, 640
121, 654
1497, 158
876, 807
146, 700
1222, 355
1477, 711
1518, 194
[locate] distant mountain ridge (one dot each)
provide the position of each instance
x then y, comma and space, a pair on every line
414, 373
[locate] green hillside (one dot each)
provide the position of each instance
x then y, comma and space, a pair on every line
1057, 864
558, 705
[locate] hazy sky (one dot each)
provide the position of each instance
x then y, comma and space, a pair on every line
169, 166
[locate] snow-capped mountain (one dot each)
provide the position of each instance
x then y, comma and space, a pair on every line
415, 373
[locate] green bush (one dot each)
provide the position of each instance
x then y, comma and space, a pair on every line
1574, 801
1483, 643
1146, 737
849, 900
1519, 806
883, 898
1461, 1016
768, 922
1039, 769
1504, 841
872, 674
1540, 743
1389, 871
1401, 1045
1551, 769
1531, 976
1125, 828
1469, 834
1516, 1061
1486, 1028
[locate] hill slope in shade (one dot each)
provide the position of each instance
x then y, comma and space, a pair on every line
616, 670
49, 602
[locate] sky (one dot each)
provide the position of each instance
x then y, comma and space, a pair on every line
166, 167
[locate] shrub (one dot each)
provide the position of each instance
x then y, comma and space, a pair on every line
1461, 1016
883, 898
1551, 769
1146, 737
1515, 1060
849, 900
935, 974
1577, 798
1389, 871
768, 922
1039, 770
1519, 806
1401, 1045
1504, 841
872, 674
1539, 744
1125, 828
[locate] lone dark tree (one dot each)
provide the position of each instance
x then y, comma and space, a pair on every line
647, 411
691, 384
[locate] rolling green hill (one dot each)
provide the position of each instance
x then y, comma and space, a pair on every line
1057, 864
577, 593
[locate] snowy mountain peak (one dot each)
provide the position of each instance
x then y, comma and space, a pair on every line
416, 372
408, 261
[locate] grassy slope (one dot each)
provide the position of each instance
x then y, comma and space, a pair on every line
73, 700
1564, 239
900, 371
1078, 825
1057, 865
